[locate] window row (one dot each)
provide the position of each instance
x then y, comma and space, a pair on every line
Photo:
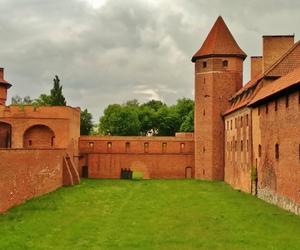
233, 146
109, 146
224, 63
239, 122
268, 104
276, 151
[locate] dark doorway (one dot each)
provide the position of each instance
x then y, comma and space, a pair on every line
85, 172
5, 135
126, 174
188, 173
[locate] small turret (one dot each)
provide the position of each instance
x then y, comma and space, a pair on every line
4, 86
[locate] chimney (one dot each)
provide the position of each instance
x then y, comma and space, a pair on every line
274, 47
4, 85
256, 66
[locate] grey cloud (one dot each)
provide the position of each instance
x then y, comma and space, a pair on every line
127, 48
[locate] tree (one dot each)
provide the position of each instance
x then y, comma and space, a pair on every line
86, 122
57, 98
17, 100
183, 107
120, 120
154, 104
148, 120
169, 121
43, 100
188, 123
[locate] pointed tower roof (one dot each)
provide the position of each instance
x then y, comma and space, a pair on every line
2, 81
219, 42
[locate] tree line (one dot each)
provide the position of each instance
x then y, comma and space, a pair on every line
152, 118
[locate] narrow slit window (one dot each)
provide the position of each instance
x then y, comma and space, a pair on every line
287, 101
204, 65
127, 147
276, 151
259, 150
164, 147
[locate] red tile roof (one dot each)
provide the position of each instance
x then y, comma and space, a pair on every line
287, 63
286, 82
219, 42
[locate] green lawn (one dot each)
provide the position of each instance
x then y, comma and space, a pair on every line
148, 215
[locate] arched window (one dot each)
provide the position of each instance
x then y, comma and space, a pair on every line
5, 135
109, 146
38, 136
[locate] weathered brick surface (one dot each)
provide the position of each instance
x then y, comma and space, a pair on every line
156, 157
25, 174
278, 176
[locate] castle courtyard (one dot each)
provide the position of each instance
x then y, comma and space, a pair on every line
151, 214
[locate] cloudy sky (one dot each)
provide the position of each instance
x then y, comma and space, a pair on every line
110, 51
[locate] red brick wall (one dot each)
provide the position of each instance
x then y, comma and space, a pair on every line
214, 85
25, 174
278, 179
238, 149
156, 157
274, 47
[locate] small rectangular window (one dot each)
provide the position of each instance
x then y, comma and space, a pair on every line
230, 124
259, 150
146, 147
258, 110
127, 147
247, 120
242, 122
182, 147
267, 108
91, 144
204, 64
109, 146
276, 105
242, 146
164, 147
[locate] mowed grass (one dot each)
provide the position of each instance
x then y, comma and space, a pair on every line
103, 214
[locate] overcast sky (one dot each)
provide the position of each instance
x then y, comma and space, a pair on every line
110, 51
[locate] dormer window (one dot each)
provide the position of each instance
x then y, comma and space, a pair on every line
204, 64
225, 63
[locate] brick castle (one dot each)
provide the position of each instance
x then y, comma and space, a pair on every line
246, 135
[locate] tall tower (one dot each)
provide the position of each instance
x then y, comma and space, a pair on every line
4, 86
218, 75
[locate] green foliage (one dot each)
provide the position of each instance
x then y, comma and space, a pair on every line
168, 121
188, 123
55, 98
120, 120
86, 122
154, 118
154, 214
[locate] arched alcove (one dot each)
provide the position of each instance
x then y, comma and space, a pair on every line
38, 136
5, 135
